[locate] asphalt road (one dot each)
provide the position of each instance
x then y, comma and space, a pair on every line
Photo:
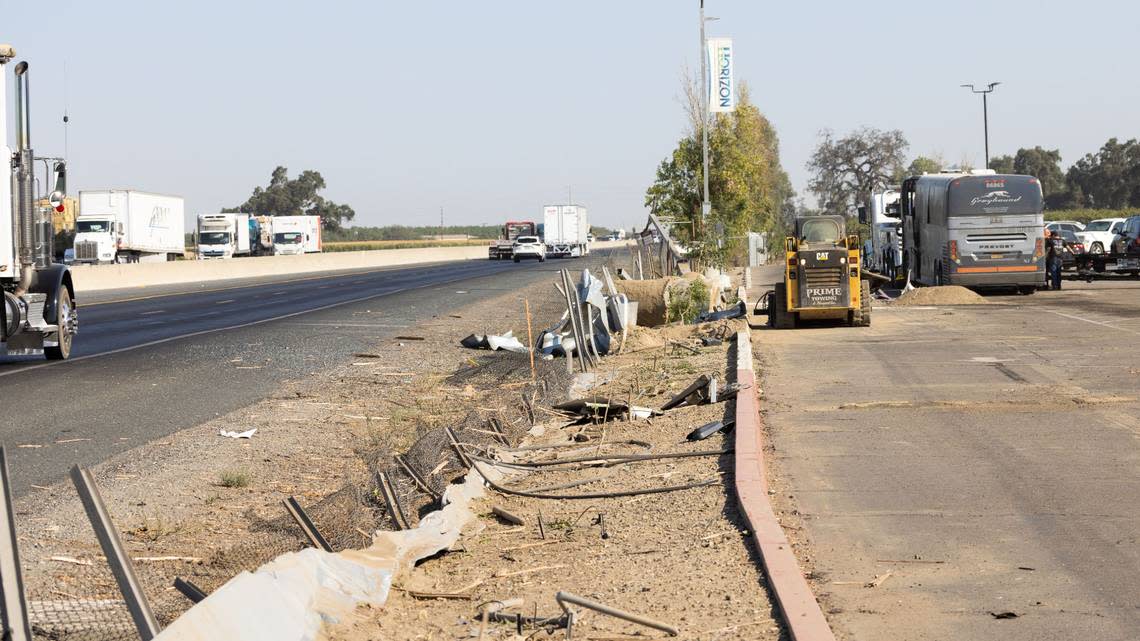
144, 366
977, 459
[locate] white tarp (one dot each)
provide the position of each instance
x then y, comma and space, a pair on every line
289, 598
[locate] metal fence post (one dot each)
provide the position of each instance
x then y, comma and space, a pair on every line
13, 606
116, 555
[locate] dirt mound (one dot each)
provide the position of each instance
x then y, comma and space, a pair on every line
944, 295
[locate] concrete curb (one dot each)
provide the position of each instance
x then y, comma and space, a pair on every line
802, 615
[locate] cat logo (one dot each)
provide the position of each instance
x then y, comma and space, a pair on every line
821, 256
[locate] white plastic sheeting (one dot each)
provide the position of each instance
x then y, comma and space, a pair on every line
289, 598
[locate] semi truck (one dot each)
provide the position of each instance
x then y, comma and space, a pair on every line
294, 235
503, 247
128, 226
227, 235
566, 230
38, 312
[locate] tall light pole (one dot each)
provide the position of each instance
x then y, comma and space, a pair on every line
985, 114
706, 206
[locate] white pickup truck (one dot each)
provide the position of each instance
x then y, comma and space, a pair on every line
1099, 234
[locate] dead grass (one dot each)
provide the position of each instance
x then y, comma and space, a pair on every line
234, 478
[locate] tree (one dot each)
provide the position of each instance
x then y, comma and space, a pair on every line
297, 197
1002, 164
748, 187
845, 169
1045, 165
1108, 179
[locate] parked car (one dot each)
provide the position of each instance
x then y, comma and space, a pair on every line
1070, 225
1074, 248
1098, 234
528, 247
589, 238
1127, 242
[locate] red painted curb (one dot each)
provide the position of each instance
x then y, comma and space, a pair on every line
802, 616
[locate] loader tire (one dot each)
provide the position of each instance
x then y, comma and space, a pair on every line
782, 318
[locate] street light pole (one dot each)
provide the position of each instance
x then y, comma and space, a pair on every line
985, 114
706, 206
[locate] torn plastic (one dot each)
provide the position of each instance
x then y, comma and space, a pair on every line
600, 409
293, 596
492, 342
232, 434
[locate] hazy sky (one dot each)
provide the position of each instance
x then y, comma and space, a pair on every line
492, 109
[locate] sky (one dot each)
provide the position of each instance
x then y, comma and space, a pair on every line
491, 110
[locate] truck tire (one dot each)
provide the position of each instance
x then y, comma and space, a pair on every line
862, 316
781, 317
1097, 248
65, 312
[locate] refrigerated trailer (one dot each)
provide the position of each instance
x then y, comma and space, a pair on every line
227, 235
566, 229
128, 226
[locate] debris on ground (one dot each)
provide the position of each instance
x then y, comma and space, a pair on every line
707, 430
941, 295
506, 342
739, 310
233, 434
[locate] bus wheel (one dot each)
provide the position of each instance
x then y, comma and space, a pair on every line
1026, 290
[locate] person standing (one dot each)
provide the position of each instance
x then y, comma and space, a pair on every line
1054, 258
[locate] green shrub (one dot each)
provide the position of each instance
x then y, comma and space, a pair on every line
1085, 215
685, 304
234, 478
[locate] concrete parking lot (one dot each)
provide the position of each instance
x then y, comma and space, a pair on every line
969, 462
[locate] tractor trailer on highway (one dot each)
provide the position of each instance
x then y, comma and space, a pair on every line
128, 226
566, 230
37, 313
293, 235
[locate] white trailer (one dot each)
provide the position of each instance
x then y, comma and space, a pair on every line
565, 230
294, 235
226, 235
881, 214
128, 226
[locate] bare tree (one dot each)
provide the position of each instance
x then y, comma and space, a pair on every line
845, 169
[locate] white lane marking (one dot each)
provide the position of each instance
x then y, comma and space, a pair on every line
278, 293
157, 311
225, 302
241, 325
1096, 322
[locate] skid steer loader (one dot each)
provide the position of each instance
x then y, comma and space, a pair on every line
822, 278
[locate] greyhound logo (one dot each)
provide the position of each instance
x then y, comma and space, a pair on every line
996, 197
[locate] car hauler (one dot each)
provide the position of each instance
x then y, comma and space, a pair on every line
977, 229
38, 313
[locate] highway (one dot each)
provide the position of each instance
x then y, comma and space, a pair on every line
147, 363
970, 461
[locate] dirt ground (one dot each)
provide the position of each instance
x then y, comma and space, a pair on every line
205, 507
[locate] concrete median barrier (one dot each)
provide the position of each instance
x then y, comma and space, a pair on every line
89, 278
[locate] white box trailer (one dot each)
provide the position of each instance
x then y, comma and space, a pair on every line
296, 235
565, 230
128, 226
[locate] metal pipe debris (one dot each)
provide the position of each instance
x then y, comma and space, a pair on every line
310, 530
189, 590
116, 555
565, 597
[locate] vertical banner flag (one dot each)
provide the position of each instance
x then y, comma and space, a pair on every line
722, 90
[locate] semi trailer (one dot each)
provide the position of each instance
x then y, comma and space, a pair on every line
38, 314
128, 226
566, 230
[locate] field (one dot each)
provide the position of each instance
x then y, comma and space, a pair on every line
365, 245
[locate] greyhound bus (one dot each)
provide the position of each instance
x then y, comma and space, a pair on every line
976, 229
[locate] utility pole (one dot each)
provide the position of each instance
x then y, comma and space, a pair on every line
706, 206
985, 114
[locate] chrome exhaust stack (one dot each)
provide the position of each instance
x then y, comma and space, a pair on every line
23, 183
